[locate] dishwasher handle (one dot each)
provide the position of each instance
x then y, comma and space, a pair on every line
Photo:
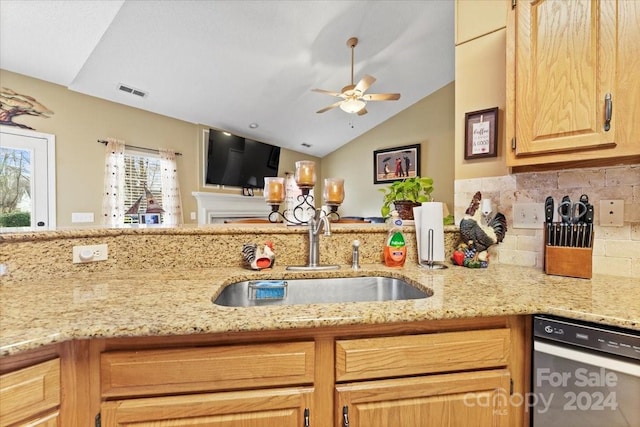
621, 366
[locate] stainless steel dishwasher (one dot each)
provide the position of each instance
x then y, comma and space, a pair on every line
584, 374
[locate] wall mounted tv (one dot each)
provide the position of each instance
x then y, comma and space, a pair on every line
239, 162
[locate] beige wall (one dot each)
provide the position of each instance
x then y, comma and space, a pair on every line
429, 122
480, 78
80, 120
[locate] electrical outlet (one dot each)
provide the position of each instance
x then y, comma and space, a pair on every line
528, 215
90, 253
612, 213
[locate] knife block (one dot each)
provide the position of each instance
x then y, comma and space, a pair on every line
568, 261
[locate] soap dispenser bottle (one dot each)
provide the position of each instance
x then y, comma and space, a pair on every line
395, 248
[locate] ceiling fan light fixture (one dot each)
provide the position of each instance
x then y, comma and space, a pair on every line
352, 105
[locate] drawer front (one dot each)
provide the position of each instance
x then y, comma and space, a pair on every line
170, 371
421, 354
29, 391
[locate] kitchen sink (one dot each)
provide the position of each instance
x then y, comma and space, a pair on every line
317, 291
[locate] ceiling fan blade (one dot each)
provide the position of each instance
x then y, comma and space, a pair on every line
328, 92
362, 111
364, 83
381, 97
334, 105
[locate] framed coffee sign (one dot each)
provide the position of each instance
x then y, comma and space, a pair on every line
481, 134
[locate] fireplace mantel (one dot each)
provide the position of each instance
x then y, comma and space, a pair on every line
216, 207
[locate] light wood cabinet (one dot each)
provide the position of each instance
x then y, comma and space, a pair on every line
432, 370
411, 398
418, 375
573, 83
462, 399
30, 396
259, 408
250, 369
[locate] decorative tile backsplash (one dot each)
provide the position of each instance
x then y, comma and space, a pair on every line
616, 249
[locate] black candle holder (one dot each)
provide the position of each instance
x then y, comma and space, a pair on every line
294, 216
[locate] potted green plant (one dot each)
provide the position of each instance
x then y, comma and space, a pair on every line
406, 194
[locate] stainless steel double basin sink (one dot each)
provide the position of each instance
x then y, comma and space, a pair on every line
317, 291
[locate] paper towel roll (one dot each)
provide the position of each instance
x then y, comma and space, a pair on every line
429, 217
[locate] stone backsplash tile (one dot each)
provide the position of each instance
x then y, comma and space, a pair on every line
526, 246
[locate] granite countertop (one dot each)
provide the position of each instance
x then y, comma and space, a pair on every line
178, 302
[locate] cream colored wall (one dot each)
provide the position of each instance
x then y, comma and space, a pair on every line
80, 120
480, 78
429, 122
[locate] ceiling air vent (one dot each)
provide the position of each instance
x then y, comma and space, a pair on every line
132, 91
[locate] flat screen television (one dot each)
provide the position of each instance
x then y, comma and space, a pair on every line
239, 162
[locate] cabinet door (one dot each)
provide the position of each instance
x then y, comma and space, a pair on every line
565, 65
260, 408
463, 399
29, 391
50, 420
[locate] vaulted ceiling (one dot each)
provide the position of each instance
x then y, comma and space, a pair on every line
228, 64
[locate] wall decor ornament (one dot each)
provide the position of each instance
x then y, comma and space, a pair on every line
14, 104
394, 164
481, 134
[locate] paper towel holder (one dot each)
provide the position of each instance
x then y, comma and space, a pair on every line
429, 262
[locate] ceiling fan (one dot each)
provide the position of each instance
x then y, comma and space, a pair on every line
353, 96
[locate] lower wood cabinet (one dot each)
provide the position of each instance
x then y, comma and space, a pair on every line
285, 407
462, 399
31, 396
430, 373
471, 397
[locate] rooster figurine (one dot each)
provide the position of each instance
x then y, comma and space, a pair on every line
478, 236
258, 258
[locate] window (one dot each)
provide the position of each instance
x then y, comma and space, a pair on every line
27, 180
142, 171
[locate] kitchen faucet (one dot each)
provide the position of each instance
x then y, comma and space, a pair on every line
316, 224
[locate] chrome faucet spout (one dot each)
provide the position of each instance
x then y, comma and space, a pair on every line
317, 224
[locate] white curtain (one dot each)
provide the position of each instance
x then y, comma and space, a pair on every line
171, 201
113, 194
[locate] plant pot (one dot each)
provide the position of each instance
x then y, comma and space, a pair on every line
405, 209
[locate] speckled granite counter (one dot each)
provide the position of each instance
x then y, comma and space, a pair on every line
162, 281
130, 303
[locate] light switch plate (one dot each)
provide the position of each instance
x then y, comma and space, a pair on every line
82, 217
528, 215
612, 213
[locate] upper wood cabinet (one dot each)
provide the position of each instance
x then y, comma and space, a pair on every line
572, 81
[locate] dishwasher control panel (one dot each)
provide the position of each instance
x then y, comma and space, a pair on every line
616, 341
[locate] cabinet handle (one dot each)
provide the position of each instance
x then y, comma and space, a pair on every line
345, 416
306, 417
608, 109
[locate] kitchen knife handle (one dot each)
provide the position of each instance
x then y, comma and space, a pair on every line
548, 209
608, 111
588, 217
